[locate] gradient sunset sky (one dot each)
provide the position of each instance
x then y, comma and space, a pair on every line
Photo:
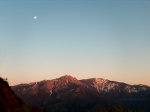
83, 38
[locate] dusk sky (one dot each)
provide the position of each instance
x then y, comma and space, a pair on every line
45, 39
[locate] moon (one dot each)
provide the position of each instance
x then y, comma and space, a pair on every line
35, 17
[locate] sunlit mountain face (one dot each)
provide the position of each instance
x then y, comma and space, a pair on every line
68, 94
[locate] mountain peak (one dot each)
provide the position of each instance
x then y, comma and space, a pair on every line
67, 77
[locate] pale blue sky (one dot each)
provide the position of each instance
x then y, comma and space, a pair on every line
84, 38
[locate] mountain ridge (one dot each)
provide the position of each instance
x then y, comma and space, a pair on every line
140, 84
67, 90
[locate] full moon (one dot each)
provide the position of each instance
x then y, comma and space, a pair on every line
35, 17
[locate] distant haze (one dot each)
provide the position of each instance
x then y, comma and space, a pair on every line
83, 38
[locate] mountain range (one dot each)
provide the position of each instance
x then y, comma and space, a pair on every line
68, 94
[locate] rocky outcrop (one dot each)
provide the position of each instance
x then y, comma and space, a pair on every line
9, 102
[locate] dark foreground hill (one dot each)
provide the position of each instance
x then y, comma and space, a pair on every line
9, 102
67, 94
